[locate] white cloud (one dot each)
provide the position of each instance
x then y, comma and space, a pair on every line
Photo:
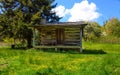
60, 11
83, 11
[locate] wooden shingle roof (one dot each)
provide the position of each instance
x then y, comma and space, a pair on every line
63, 24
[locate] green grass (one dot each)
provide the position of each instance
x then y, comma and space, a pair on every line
96, 59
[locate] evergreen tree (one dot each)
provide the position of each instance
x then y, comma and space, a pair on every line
20, 14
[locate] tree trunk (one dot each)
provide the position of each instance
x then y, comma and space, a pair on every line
29, 43
13, 45
29, 38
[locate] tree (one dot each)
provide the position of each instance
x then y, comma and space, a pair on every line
92, 31
32, 12
112, 27
8, 22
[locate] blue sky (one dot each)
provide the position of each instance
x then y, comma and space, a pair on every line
95, 10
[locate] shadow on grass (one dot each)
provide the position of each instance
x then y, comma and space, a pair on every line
93, 52
70, 51
20, 48
85, 51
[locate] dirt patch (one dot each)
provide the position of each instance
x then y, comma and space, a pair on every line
2, 44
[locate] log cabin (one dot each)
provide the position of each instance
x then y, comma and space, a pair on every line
58, 35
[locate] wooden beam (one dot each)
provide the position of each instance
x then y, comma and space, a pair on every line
81, 39
57, 47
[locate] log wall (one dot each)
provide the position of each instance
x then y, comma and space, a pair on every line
69, 37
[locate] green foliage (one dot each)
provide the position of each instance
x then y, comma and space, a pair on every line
37, 62
117, 31
18, 15
92, 31
112, 27
108, 33
8, 40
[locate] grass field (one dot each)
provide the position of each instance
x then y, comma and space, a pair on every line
96, 59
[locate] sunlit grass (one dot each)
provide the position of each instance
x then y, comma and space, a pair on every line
38, 62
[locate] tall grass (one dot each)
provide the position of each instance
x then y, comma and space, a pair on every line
38, 62
108, 39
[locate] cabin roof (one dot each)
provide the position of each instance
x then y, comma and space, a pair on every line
63, 24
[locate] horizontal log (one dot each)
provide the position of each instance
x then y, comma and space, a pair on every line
71, 44
71, 38
72, 31
70, 34
72, 28
57, 47
48, 30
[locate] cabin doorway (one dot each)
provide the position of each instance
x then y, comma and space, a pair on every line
60, 34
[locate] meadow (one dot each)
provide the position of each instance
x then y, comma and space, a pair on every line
96, 59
